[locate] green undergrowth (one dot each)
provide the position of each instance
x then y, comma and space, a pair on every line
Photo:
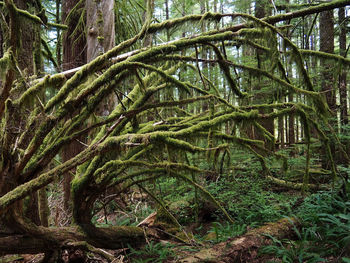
242, 189
324, 235
152, 252
251, 200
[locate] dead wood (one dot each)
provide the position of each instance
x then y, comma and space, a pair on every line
49, 239
244, 248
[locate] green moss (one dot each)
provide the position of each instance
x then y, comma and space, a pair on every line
5, 63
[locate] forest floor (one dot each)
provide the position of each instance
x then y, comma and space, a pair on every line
272, 223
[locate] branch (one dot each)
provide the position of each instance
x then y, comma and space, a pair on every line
171, 23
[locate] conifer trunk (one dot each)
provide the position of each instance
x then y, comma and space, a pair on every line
327, 82
261, 11
342, 76
74, 55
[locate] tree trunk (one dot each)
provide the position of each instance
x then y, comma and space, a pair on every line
74, 43
342, 75
1, 43
59, 39
28, 55
327, 45
30, 40
261, 11
74, 55
167, 18
100, 23
100, 38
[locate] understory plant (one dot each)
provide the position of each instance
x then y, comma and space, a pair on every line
325, 231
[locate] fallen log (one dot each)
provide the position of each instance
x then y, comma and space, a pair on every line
49, 239
244, 248
298, 186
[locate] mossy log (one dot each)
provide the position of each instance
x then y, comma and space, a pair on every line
297, 186
49, 239
244, 248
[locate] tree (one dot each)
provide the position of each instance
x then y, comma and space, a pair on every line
126, 148
342, 75
74, 55
327, 86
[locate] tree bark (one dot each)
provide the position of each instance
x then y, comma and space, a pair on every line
261, 11
29, 33
27, 49
342, 75
74, 55
100, 24
100, 39
327, 45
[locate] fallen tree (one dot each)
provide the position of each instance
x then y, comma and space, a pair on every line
245, 248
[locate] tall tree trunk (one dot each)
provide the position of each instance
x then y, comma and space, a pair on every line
167, 18
74, 50
59, 39
29, 61
342, 76
74, 55
261, 10
100, 24
148, 38
29, 53
327, 45
100, 38
1, 42
343, 96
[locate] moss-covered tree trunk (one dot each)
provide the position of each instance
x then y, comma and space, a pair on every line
28, 53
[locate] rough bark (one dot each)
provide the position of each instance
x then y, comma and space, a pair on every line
74, 55
100, 25
28, 54
1, 43
74, 43
25, 43
342, 75
327, 82
100, 39
59, 34
327, 45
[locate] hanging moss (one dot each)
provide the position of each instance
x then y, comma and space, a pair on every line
224, 67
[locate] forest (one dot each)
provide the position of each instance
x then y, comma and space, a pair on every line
174, 131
